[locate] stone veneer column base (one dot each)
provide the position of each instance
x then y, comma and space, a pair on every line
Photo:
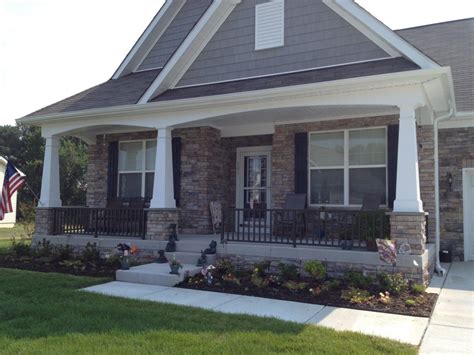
159, 223
44, 221
409, 227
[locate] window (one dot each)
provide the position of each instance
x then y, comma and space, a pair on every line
344, 166
270, 25
136, 169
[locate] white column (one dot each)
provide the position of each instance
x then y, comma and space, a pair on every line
50, 191
408, 179
163, 189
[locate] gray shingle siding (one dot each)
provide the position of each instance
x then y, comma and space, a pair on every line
315, 36
450, 44
175, 34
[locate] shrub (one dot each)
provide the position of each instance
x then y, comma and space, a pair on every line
63, 252
356, 295
295, 286
410, 303
393, 283
91, 255
262, 268
357, 279
21, 249
258, 281
331, 285
225, 266
316, 270
288, 271
417, 289
114, 262
44, 249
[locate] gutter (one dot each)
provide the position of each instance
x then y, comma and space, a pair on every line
438, 269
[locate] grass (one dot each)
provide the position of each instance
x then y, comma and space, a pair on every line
6, 235
45, 314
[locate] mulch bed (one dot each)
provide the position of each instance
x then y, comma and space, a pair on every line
424, 303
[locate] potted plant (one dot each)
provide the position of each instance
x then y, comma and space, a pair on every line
175, 265
125, 251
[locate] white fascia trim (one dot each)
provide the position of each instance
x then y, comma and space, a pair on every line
379, 33
191, 47
325, 88
460, 120
149, 38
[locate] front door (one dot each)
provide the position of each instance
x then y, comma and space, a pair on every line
468, 214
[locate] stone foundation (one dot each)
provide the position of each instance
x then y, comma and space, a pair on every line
44, 221
159, 223
409, 228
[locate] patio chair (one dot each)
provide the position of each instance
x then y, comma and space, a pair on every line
291, 219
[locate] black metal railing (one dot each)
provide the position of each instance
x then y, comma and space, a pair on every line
317, 227
121, 222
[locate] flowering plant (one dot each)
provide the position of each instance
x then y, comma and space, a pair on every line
174, 262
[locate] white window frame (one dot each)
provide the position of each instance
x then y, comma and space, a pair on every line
280, 43
142, 171
346, 167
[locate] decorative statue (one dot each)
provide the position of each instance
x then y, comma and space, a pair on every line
202, 261
212, 248
171, 246
162, 259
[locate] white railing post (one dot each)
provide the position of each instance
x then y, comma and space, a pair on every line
163, 188
408, 179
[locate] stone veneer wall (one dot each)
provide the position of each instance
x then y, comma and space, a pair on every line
456, 152
230, 146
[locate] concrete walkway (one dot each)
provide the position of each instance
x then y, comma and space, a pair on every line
402, 328
451, 328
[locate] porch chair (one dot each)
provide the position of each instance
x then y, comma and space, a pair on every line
290, 218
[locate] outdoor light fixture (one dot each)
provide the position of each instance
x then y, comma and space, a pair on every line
450, 181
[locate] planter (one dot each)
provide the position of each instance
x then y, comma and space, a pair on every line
124, 265
175, 269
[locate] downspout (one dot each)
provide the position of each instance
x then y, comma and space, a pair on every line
438, 269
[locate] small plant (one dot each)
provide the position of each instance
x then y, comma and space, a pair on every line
258, 281
417, 289
356, 295
90, 255
331, 285
393, 283
357, 279
274, 280
113, 261
410, 303
231, 279
295, 286
316, 270
262, 268
76, 265
175, 265
43, 249
63, 252
384, 298
288, 271
225, 266
21, 248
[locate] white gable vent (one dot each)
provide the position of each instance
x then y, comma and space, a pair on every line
270, 24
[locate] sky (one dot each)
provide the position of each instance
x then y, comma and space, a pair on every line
52, 49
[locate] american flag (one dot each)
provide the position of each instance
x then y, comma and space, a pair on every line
13, 180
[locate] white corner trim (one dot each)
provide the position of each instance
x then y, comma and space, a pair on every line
460, 120
191, 47
379, 33
148, 39
466, 174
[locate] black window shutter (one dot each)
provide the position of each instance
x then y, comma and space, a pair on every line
176, 144
301, 163
392, 146
112, 177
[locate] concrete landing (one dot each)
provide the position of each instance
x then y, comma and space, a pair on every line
155, 274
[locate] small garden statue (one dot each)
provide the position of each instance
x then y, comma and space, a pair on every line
207, 273
202, 261
171, 246
162, 259
212, 248
175, 266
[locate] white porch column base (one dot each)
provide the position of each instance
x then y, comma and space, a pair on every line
50, 185
408, 179
163, 188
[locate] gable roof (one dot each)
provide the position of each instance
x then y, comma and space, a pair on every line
449, 44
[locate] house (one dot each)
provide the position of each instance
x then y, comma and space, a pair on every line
9, 219
246, 102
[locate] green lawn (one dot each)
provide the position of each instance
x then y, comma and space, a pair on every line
45, 314
6, 235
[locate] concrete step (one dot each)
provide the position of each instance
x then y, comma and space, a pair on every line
191, 258
155, 274
195, 246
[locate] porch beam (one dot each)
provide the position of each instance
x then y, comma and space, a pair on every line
163, 185
50, 184
408, 179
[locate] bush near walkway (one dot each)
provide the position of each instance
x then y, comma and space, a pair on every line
45, 314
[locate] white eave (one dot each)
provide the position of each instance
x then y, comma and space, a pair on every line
379, 33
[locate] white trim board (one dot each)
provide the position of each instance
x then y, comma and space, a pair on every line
149, 38
461, 120
379, 33
467, 174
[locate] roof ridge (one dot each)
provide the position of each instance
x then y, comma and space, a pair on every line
436, 23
